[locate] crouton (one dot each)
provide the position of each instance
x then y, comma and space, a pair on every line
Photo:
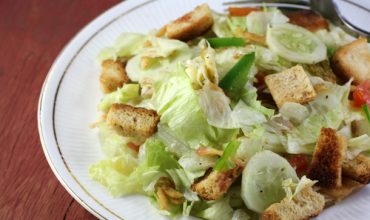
353, 61
306, 204
326, 166
291, 85
189, 26
307, 19
133, 121
335, 195
357, 169
113, 75
216, 183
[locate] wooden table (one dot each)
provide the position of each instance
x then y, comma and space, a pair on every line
32, 33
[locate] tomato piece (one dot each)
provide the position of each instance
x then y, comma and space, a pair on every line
233, 11
133, 146
300, 163
361, 95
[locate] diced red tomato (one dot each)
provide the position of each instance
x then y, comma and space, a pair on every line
133, 146
361, 95
241, 11
300, 163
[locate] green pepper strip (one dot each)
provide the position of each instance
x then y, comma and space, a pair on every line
226, 42
224, 162
235, 80
366, 110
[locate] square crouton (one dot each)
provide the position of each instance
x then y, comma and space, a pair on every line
353, 61
329, 154
306, 204
291, 85
113, 75
133, 121
216, 183
189, 26
357, 169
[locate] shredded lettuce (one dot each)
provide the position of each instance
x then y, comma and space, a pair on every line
126, 45
219, 210
112, 143
226, 58
358, 145
257, 21
178, 104
202, 69
335, 37
225, 26
240, 214
267, 60
157, 59
292, 188
330, 109
129, 92
123, 175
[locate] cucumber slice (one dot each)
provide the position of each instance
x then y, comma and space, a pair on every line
295, 44
262, 180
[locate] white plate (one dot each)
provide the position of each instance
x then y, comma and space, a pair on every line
68, 106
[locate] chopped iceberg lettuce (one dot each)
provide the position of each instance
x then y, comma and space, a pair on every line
225, 26
128, 93
112, 143
258, 21
202, 69
292, 188
219, 209
335, 37
178, 104
358, 145
123, 175
126, 45
157, 59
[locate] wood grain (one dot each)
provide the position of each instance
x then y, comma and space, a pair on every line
32, 33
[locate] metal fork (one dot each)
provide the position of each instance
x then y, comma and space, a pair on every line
326, 8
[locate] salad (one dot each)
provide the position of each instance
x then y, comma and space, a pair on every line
255, 114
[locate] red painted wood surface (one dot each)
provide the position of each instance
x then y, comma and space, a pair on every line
32, 33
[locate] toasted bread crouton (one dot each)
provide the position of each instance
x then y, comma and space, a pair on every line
307, 19
216, 183
357, 169
353, 61
326, 166
291, 85
335, 195
306, 204
113, 75
133, 121
191, 25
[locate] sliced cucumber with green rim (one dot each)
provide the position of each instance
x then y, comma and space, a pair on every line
295, 44
262, 180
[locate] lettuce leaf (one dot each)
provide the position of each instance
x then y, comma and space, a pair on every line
219, 210
126, 45
330, 109
258, 21
358, 145
112, 143
292, 189
123, 175
178, 104
158, 59
226, 26
129, 92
